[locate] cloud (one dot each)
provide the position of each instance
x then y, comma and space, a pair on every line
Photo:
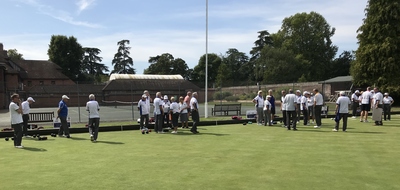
84, 4
60, 14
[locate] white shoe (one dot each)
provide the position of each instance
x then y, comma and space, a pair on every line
19, 146
354, 117
161, 132
297, 122
174, 132
317, 127
366, 121
334, 130
312, 122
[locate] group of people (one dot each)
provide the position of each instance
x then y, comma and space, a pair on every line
19, 114
169, 109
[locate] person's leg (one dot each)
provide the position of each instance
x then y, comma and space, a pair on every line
295, 120
91, 127
385, 109
284, 116
389, 110
146, 118
25, 118
259, 115
17, 134
268, 119
344, 117
265, 113
195, 118
354, 108
288, 115
96, 128
305, 118
160, 123
318, 109
141, 122
64, 123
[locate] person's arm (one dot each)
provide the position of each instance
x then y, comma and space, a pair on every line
254, 100
19, 108
194, 105
87, 106
59, 109
336, 109
391, 102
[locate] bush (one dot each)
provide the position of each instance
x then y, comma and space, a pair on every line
221, 95
232, 98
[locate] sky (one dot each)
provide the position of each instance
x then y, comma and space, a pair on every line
155, 27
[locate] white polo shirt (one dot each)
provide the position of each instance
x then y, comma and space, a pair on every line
343, 102
267, 105
93, 108
166, 106
354, 97
291, 102
378, 97
387, 100
174, 107
183, 106
365, 97
283, 103
157, 103
319, 100
143, 107
25, 107
194, 101
303, 101
16, 118
259, 101
310, 101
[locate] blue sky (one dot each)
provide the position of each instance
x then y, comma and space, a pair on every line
160, 26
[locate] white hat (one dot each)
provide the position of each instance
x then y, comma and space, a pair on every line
386, 94
65, 97
268, 96
298, 91
31, 99
342, 93
357, 91
305, 93
144, 96
165, 97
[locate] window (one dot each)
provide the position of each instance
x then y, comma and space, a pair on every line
29, 83
41, 82
53, 82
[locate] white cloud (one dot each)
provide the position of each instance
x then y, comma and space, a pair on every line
84, 4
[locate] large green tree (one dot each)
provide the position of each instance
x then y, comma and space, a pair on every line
264, 39
166, 64
309, 35
341, 65
122, 62
92, 67
67, 53
14, 55
378, 55
236, 63
199, 71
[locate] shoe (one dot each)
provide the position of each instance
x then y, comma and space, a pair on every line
308, 124
312, 122
94, 141
317, 127
19, 146
344, 131
295, 129
174, 132
91, 138
194, 132
334, 130
297, 122
288, 129
366, 121
68, 136
361, 120
353, 117
197, 132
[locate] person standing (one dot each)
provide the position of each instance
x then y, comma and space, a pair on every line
303, 107
174, 109
63, 114
318, 103
166, 108
298, 111
25, 114
366, 99
291, 109
15, 109
310, 104
387, 106
267, 111
148, 100
194, 106
378, 106
342, 109
187, 99
272, 101
159, 113
144, 112
183, 107
283, 108
259, 103
92, 106
355, 103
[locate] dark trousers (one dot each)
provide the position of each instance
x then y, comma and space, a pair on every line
166, 119
291, 115
386, 111
298, 111
175, 118
158, 126
267, 117
94, 127
354, 107
284, 117
195, 119
25, 118
17, 134
144, 118
318, 109
342, 116
64, 127
305, 116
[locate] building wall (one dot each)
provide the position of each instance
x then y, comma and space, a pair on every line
12, 82
37, 82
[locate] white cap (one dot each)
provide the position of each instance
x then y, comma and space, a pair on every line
357, 91
268, 96
144, 96
65, 97
305, 93
386, 94
342, 93
31, 99
165, 97
298, 91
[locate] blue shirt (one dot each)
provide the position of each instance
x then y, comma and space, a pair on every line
272, 101
63, 109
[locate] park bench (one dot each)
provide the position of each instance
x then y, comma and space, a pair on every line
39, 117
226, 108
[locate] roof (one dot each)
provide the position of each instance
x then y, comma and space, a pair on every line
65, 89
40, 69
140, 76
338, 79
149, 84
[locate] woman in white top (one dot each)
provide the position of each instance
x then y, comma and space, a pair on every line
310, 104
175, 111
166, 107
183, 107
267, 111
259, 103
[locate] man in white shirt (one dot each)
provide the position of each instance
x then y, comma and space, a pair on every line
283, 108
267, 111
259, 103
194, 107
342, 110
304, 107
355, 102
298, 111
25, 114
166, 108
366, 98
16, 119
310, 104
144, 112
183, 107
378, 107
175, 112
387, 105
318, 103
92, 106
159, 113
148, 99
291, 109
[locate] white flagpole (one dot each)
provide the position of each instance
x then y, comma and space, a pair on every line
206, 90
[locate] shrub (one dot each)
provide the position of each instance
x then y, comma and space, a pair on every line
221, 95
232, 98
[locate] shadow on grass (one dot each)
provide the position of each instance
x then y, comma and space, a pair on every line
79, 138
34, 149
109, 142
35, 139
201, 133
366, 132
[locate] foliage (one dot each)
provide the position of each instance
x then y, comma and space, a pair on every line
221, 95
122, 62
309, 36
67, 53
341, 65
14, 55
264, 39
224, 75
236, 63
232, 98
91, 67
377, 57
166, 64
214, 61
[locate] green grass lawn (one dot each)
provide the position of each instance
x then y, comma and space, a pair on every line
220, 157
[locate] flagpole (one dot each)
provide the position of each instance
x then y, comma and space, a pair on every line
206, 89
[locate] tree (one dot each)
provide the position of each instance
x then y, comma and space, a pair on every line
199, 71
309, 35
14, 55
235, 61
341, 65
377, 57
264, 39
122, 62
91, 66
67, 53
166, 64
223, 75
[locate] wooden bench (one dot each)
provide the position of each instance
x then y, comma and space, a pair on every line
226, 108
39, 117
